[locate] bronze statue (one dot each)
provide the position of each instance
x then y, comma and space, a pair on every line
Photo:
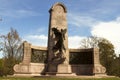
59, 46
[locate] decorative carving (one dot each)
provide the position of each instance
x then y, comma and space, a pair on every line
59, 9
100, 69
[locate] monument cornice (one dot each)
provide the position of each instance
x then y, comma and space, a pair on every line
58, 3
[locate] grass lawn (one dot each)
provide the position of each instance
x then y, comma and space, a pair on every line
48, 78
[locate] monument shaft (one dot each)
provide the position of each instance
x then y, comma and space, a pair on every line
58, 36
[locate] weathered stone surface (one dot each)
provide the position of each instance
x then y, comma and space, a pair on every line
58, 52
27, 52
52, 68
32, 68
58, 21
98, 68
39, 48
83, 69
64, 68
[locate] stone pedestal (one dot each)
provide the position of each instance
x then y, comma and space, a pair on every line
60, 70
64, 70
32, 69
52, 68
98, 69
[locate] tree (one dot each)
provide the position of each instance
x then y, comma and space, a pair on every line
1, 67
12, 49
90, 42
116, 67
107, 54
106, 50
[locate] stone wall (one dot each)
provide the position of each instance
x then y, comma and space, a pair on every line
33, 69
82, 69
26, 67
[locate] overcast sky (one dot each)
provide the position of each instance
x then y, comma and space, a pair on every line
85, 18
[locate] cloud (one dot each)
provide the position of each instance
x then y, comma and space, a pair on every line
78, 20
74, 41
41, 40
109, 30
21, 13
43, 37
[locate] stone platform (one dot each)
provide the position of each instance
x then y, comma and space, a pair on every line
32, 69
60, 70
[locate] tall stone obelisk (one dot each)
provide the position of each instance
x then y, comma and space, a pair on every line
58, 52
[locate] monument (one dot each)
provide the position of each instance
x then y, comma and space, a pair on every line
57, 52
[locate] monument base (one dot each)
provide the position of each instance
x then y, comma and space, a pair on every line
31, 69
64, 68
99, 70
59, 74
61, 70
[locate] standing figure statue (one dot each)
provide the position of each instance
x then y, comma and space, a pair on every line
59, 38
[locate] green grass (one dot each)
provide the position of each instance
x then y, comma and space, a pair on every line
48, 78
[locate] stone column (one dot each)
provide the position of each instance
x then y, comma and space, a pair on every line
58, 26
96, 56
98, 68
23, 68
57, 20
27, 53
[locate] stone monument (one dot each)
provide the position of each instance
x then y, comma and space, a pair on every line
58, 52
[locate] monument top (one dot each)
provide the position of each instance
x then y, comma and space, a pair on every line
58, 4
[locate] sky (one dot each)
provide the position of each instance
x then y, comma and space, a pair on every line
85, 18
